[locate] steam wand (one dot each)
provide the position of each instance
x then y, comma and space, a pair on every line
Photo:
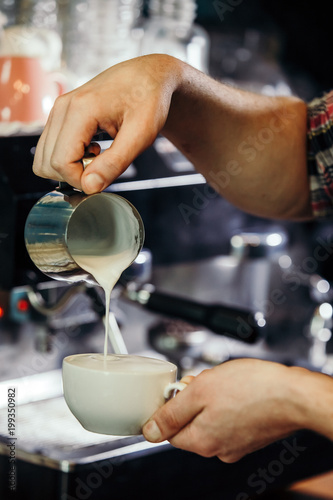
232, 322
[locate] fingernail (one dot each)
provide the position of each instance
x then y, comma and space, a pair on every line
152, 432
93, 182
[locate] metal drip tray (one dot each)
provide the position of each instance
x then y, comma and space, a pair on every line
57, 459
48, 434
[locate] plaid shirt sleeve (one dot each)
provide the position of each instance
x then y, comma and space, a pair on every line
320, 155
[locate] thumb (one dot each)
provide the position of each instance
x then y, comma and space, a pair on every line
172, 416
129, 142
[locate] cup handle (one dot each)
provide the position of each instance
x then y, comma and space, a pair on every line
174, 386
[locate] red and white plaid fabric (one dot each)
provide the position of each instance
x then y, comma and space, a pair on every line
320, 155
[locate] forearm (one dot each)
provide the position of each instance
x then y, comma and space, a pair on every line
251, 148
313, 398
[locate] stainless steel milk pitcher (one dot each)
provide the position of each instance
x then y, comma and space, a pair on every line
67, 222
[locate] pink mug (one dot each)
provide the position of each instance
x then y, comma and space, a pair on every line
27, 92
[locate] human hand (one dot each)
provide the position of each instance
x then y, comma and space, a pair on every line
130, 101
231, 410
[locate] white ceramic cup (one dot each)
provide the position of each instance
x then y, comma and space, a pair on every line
118, 395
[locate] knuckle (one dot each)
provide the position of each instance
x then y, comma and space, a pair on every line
79, 99
39, 169
56, 163
61, 101
39, 172
201, 382
207, 450
205, 374
116, 160
168, 420
229, 458
36, 169
229, 454
171, 419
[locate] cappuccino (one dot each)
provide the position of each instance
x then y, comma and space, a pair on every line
117, 394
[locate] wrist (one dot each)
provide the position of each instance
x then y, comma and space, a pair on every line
311, 395
167, 70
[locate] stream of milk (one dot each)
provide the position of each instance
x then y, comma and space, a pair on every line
106, 270
104, 240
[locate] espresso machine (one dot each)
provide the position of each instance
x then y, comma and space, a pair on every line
205, 289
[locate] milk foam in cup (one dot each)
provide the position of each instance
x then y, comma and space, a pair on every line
117, 394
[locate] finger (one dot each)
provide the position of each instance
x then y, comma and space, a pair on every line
38, 156
44, 169
44, 166
196, 437
69, 135
187, 379
129, 142
173, 416
42, 163
41, 166
51, 132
